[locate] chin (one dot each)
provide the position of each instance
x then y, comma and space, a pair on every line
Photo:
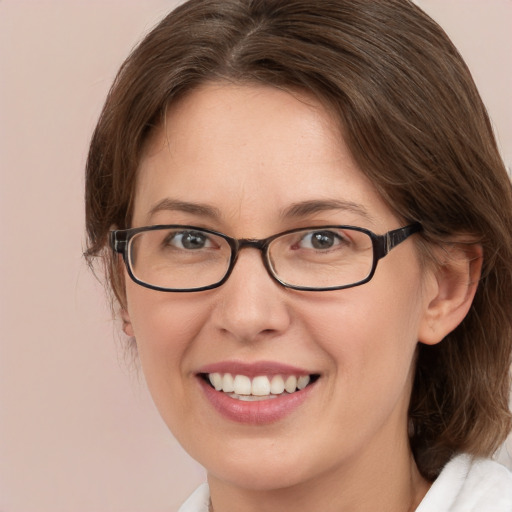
258, 466
259, 475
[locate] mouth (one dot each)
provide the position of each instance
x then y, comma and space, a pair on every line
261, 387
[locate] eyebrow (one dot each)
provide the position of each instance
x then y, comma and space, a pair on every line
168, 204
296, 210
306, 208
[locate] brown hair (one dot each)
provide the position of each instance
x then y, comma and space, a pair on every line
415, 124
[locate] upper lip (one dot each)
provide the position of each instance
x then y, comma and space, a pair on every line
254, 369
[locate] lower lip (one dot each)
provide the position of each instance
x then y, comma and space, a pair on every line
259, 412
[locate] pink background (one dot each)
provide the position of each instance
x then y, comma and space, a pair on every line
78, 431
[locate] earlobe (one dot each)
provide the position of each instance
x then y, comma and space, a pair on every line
119, 273
127, 324
454, 285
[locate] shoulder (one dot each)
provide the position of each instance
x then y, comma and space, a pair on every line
198, 501
469, 484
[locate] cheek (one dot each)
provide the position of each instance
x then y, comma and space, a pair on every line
370, 333
165, 328
160, 320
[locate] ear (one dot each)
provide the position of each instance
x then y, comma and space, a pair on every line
120, 277
127, 323
451, 291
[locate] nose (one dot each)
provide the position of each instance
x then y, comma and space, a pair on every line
251, 305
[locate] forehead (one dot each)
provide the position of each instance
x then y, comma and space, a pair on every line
242, 113
249, 151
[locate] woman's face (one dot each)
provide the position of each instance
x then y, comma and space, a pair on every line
252, 161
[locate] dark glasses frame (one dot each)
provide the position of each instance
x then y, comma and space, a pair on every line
119, 241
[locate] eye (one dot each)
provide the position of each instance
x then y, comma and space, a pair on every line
189, 240
321, 240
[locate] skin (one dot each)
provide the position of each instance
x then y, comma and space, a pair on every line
251, 152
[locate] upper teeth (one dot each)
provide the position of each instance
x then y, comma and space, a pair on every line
258, 386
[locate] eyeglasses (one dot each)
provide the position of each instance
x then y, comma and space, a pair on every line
180, 258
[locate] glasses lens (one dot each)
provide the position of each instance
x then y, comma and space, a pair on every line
178, 258
322, 258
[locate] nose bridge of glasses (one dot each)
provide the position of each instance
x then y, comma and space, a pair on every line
252, 243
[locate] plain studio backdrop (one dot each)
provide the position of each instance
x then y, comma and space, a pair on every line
78, 430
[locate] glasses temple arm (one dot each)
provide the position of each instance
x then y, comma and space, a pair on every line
117, 241
397, 236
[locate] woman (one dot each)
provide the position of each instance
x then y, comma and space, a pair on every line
308, 229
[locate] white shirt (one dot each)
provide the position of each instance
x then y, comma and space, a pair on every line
464, 485
470, 485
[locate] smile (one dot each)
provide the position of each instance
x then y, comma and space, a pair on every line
261, 387
257, 393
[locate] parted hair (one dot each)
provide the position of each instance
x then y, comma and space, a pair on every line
416, 126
